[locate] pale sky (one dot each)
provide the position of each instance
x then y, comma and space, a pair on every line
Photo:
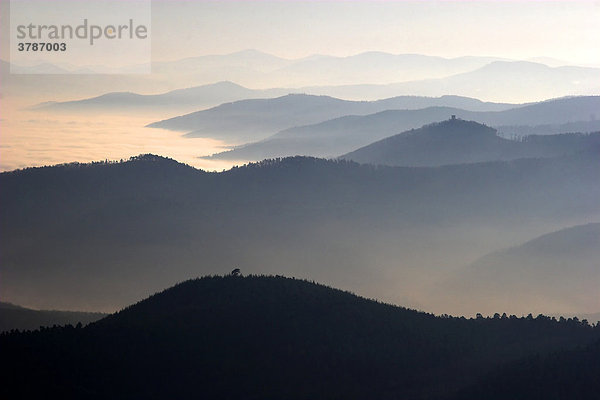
566, 30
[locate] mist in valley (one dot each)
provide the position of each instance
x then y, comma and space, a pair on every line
111, 233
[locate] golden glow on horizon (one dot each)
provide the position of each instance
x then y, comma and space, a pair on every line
29, 138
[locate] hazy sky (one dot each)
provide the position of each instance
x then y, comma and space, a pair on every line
566, 30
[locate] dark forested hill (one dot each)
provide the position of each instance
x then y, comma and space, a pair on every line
457, 141
15, 317
569, 374
98, 236
271, 338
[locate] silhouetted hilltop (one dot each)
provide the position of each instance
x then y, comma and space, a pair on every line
21, 318
456, 141
272, 337
453, 141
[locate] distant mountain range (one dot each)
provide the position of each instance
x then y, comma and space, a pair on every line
179, 100
223, 92
374, 67
21, 318
506, 81
456, 141
345, 134
482, 77
251, 67
592, 125
123, 230
33, 88
367, 76
268, 337
259, 118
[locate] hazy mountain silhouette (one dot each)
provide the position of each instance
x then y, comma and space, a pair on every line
345, 134
40, 87
246, 67
419, 102
252, 67
457, 141
21, 318
593, 125
258, 118
107, 234
273, 337
337, 136
554, 111
559, 265
379, 75
507, 81
501, 78
375, 75
375, 67
549, 61
251, 119
181, 99
223, 92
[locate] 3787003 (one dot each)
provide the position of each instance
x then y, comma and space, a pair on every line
41, 46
